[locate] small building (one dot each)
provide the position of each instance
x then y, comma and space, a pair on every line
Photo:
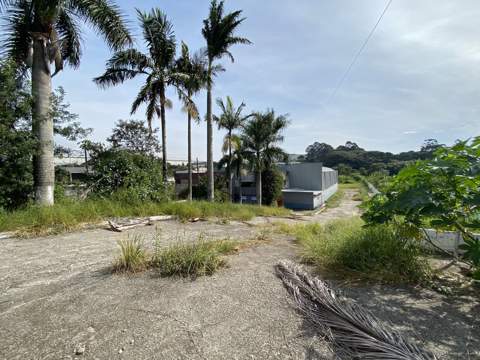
308, 185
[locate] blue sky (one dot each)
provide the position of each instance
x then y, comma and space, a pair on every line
418, 77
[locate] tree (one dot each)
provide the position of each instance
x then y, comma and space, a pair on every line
42, 32
430, 145
230, 120
157, 66
17, 142
349, 146
133, 135
194, 68
219, 33
317, 151
261, 136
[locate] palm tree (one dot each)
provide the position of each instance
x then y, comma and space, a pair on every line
42, 32
158, 67
219, 33
261, 136
230, 119
196, 76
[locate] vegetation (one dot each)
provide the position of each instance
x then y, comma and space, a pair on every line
442, 192
351, 158
133, 256
272, 185
335, 200
18, 141
194, 68
231, 119
219, 33
70, 215
134, 136
261, 136
382, 252
194, 259
135, 175
39, 33
158, 67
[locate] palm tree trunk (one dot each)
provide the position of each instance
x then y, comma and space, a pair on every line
210, 174
229, 166
258, 183
164, 135
190, 190
42, 126
240, 188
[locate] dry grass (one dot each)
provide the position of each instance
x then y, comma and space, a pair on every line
133, 256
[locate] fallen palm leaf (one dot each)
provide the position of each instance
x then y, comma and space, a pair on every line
353, 331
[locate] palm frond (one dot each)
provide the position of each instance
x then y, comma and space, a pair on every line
354, 332
17, 37
69, 37
106, 18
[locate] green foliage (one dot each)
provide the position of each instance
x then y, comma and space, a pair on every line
133, 135
132, 257
272, 185
379, 179
17, 142
382, 252
442, 192
335, 200
351, 158
199, 191
133, 176
192, 259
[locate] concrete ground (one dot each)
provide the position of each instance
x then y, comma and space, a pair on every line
58, 295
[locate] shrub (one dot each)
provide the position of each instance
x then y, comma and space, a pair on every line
136, 176
272, 185
381, 252
133, 257
192, 259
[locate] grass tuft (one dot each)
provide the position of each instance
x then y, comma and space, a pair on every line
133, 257
193, 259
345, 246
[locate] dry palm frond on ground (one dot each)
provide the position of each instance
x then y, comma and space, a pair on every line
353, 331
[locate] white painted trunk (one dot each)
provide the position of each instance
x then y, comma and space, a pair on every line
42, 126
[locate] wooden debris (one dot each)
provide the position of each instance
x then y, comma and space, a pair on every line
132, 223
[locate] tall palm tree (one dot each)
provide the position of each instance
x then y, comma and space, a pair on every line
230, 120
261, 136
194, 69
158, 67
219, 33
44, 32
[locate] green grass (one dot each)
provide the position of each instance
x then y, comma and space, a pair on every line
346, 247
361, 187
336, 199
69, 215
133, 256
193, 259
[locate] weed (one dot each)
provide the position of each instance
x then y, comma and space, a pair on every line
133, 257
374, 252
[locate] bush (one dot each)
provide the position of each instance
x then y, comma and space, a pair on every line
192, 259
133, 257
272, 185
134, 177
381, 252
199, 192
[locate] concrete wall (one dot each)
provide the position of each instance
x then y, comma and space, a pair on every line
446, 240
301, 199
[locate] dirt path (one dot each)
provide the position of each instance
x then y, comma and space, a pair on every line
57, 292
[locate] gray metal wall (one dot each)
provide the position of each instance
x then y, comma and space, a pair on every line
306, 176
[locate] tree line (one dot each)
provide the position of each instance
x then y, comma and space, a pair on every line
43, 36
351, 157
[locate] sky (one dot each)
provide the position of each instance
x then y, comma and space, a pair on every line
417, 78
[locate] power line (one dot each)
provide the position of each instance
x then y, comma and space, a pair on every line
357, 55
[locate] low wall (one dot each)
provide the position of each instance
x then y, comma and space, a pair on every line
446, 240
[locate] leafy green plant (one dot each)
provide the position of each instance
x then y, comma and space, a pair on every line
272, 185
442, 192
